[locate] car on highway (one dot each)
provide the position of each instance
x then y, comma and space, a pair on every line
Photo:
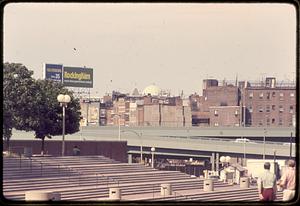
242, 140
288, 144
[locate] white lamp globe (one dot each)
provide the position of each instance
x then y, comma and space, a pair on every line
67, 98
222, 159
152, 149
60, 97
227, 159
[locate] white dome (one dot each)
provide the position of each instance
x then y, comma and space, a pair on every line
152, 90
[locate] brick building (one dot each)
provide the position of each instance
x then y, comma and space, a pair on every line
217, 101
263, 104
224, 116
268, 104
149, 109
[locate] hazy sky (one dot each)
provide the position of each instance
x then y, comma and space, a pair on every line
175, 46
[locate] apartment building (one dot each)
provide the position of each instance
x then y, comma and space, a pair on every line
269, 104
217, 106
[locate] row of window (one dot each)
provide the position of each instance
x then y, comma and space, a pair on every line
269, 95
273, 121
236, 112
216, 124
270, 108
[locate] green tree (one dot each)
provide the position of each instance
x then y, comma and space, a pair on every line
32, 105
17, 98
47, 113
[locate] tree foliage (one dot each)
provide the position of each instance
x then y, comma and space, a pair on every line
17, 97
32, 105
47, 113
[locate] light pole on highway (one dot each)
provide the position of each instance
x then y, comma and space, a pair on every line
291, 145
264, 154
244, 162
275, 169
152, 152
63, 100
119, 123
141, 145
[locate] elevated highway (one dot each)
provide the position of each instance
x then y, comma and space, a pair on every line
191, 142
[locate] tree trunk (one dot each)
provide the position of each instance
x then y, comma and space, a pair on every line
7, 144
43, 146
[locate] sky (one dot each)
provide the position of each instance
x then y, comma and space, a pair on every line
174, 46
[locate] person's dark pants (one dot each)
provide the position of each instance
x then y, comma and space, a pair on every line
268, 194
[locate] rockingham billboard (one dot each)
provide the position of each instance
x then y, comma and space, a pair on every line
69, 76
78, 77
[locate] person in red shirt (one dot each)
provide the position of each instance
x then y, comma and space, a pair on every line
267, 184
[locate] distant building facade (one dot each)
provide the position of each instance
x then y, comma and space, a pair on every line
263, 104
219, 105
269, 104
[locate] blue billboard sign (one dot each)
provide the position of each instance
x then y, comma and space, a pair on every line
53, 72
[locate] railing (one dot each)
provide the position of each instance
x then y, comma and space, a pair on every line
42, 165
177, 195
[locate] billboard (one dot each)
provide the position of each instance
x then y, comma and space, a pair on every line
53, 72
78, 77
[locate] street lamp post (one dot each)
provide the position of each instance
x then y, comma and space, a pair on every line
152, 152
119, 123
63, 100
291, 145
244, 162
225, 163
275, 171
264, 154
141, 145
119, 128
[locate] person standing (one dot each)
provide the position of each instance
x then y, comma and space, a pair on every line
76, 151
267, 184
288, 181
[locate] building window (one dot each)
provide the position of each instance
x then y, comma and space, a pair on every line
273, 107
273, 121
268, 121
281, 95
236, 112
126, 117
292, 94
260, 109
250, 95
291, 109
280, 108
216, 112
280, 121
268, 108
261, 95
250, 109
260, 123
273, 94
268, 95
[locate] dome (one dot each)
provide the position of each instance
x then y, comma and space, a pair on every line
152, 90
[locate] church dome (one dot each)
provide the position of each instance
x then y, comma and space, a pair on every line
152, 90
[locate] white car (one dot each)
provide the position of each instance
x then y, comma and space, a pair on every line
288, 144
242, 140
